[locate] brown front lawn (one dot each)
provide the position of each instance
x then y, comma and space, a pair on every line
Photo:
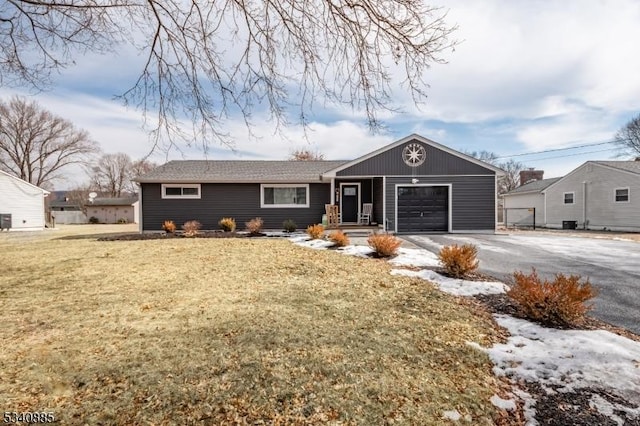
231, 331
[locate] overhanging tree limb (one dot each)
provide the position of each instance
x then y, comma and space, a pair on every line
207, 60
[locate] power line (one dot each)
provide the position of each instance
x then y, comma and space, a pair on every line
557, 149
568, 155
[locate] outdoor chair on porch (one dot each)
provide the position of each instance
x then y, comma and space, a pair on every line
333, 215
365, 215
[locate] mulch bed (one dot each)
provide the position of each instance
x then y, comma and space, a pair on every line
168, 235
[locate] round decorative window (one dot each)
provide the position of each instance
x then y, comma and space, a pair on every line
414, 154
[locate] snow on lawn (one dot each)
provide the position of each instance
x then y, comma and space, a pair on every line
458, 287
559, 360
360, 251
566, 360
415, 257
299, 238
315, 244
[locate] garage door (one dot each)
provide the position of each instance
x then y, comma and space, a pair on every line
423, 209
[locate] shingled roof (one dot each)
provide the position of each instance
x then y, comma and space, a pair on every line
122, 201
535, 186
629, 166
209, 171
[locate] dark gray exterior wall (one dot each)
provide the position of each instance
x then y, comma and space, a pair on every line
473, 200
240, 201
438, 162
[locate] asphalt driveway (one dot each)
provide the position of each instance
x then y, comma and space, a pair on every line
613, 266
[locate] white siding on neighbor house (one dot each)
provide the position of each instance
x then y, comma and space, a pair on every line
598, 210
524, 201
23, 201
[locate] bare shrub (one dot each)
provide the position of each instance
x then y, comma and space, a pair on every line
169, 226
315, 231
459, 261
339, 238
228, 224
384, 245
558, 302
254, 226
191, 228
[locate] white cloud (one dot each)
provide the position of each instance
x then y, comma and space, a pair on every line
528, 76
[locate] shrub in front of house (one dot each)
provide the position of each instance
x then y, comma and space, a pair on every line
315, 231
228, 224
289, 225
339, 238
459, 261
191, 228
254, 226
122, 220
384, 245
169, 226
93, 220
559, 302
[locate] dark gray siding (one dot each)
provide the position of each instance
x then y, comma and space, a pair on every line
239, 201
438, 162
472, 205
378, 200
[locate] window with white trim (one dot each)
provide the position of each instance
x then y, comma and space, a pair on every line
180, 190
568, 197
622, 195
284, 195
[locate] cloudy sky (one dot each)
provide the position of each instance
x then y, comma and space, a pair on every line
528, 76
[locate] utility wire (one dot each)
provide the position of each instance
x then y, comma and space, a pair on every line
558, 149
568, 155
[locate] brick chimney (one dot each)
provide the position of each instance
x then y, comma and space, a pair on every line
530, 175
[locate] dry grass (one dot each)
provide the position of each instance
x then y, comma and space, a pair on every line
186, 330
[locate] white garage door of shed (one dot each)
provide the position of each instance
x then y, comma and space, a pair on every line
423, 209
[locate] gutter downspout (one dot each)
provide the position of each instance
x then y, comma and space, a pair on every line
584, 205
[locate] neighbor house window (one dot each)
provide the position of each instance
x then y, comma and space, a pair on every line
284, 195
180, 190
568, 197
622, 195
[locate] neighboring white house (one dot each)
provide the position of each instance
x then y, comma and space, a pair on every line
598, 195
24, 203
519, 204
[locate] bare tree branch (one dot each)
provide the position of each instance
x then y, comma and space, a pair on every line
628, 138
207, 60
111, 174
36, 145
512, 169
305, 155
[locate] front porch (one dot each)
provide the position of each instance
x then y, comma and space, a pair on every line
358, 203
